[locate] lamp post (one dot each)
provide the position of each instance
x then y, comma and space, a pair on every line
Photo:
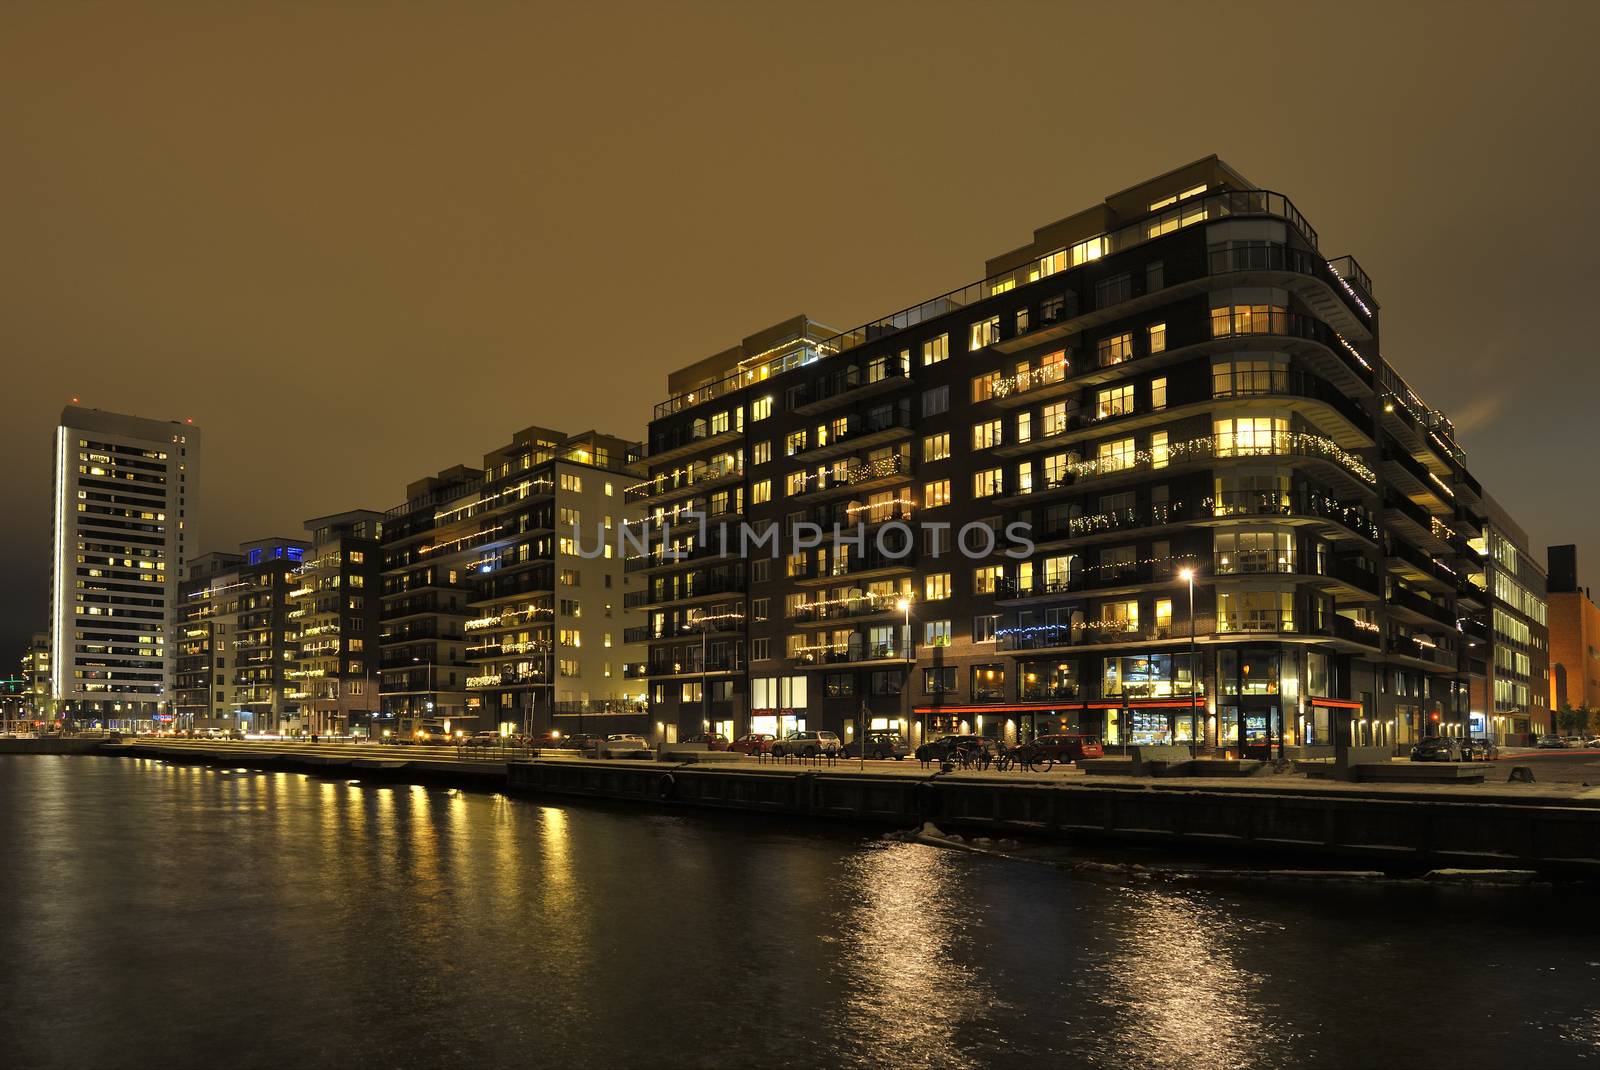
1187, 575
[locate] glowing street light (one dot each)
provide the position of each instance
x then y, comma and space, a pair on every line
1186, 574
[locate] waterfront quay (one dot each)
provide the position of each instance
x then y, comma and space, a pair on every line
1551, 825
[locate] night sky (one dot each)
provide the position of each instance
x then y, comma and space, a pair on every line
357, 243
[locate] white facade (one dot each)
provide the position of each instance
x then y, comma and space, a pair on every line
124, 530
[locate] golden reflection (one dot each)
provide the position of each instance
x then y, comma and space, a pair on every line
905, 908
1172, 987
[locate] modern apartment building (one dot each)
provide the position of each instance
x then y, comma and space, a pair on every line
1151, 478
335, 609
237, 648
491, 617
124, 525
1511, 701
1574, 622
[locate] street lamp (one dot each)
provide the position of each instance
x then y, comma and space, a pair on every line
1186, 574
903, 604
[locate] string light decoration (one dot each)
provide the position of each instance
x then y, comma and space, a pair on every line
486, 535
719, 468
1352, 351
892, 509
521, 490
1209, 446
1348, 289
860, 472
1022, 382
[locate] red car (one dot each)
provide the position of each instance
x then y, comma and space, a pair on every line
711, 742
753, 743
1068, 748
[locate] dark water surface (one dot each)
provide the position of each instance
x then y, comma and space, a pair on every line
171, 916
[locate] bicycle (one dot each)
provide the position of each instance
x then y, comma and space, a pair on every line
1031, 759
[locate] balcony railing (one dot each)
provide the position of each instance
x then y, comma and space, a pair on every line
1399, 596
858, 472
839, 384
692, 664
1285, 324
855, 652
1213, 447
865, 605
685, 478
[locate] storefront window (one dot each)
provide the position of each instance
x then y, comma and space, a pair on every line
1146, 676
1148, 727
1258, 672
1048, 680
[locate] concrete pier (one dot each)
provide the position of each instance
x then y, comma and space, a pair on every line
1555, 829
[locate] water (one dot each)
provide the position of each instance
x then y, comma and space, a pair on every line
174, 916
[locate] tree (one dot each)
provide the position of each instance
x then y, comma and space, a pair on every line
1574, 721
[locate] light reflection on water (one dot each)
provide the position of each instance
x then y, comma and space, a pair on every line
270, 919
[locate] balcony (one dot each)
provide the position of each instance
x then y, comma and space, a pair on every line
1301, 271
859, 652
1426, 650
696, 586
721, 472
686, 441
507, 678
602, 705
691, 664
1095, 633
848, 385
1132, 465
1353, 631
857, 475
862, 433
1408, 601
1348, 368
864, 605
856, 566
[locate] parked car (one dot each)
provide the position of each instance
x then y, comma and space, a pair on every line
753, 743
579, 741
1068, 748
939, 749
1550, 743
1437, 749
483, 739
626, 746
806, 744
709, 740
1572, 742
1595, 742
880, 745
1479, 750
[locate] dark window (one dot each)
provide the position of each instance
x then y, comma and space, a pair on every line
886, 682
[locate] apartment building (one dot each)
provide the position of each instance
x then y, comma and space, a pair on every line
1511, 699
492, 618
237, 648
124, 525
35, 673
1150, 478
334, 612
1574, 624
